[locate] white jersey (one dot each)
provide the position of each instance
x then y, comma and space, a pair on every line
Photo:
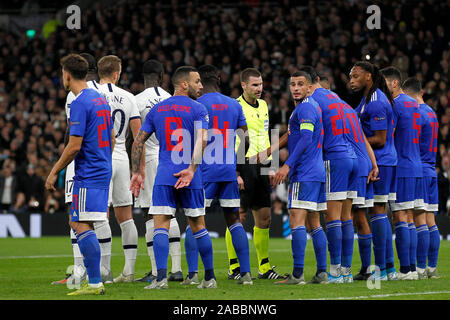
123, 109
146, 100
70, 169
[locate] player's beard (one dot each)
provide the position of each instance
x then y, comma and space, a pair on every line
192, 93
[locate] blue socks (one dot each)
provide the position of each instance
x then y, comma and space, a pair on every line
423, 243
365, 251
378, 226
402, 242
347, 243
190, 247
90, 249
204, 246
334, 237
320, 248
389, 246
298, 245
161, 249
240, 244
433, 250
412, 246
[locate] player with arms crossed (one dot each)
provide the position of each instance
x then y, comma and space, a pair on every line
428, 238
306, 171
91, 143
180, 124
219, 170
409, 203
124, 112
376, 115
153, 94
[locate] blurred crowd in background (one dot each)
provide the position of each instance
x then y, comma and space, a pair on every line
274, 37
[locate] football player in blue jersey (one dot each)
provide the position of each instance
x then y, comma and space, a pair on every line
376, 115
428, 238
409, 200
91, 143
180, 124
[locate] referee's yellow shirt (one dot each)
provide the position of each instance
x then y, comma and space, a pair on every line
258, 126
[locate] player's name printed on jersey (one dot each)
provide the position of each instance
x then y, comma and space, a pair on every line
173, 107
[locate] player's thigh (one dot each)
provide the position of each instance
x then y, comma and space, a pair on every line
338, 173
145, 197
88, 204
192, 201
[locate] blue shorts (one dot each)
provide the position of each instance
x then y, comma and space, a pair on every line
340, 175
410, 194
166, 200
430, 195
386, 188
365, 194
226, 191
308, 195
88, 204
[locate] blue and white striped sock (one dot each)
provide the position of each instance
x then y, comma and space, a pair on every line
205, 248
90, 249
365, 251
348, 235
412, 246
334, 237
378, 225
320, 248
423, 243
433, 250
240, 244
161, 249
298, 244
191, 249
402, 242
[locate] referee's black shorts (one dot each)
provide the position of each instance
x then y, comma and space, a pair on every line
257, 187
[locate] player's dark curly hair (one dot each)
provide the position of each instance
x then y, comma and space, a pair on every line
378, 81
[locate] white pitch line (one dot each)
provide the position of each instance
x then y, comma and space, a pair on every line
383, 295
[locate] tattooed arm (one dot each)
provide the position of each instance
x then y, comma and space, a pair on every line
137, 181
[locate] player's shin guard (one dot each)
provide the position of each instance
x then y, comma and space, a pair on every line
433, 250
240, 244
90, 248
402, 242
365, 251
205, 248
320, 248
334, 237
378, 226
174, 245
412, 246
191, 249
103, 232
232, 256
298, 245
261, 241
347, 243
149, 229
129, 244
423, 243
161, 250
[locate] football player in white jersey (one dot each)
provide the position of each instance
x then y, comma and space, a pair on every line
102, 228
153, 72
124, 113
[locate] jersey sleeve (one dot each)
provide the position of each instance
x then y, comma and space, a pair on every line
306, 117
77, 119
378, 116
148, 126
134, 112
201, 118
241, 119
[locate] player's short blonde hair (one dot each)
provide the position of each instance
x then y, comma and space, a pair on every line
108, 65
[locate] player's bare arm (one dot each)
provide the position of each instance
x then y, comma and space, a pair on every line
137, 180
263, 155
113, 140
69, 153
135, 126
378, 139
373, 174
185, 176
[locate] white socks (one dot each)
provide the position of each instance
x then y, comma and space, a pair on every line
103, 232
129, 243
77, 256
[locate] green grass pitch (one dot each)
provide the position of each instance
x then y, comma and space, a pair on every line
28, 266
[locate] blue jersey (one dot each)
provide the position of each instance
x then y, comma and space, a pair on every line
406, 136
378, 115
226, 116
356, 138
90, 118
174, 122
308, 166
428, 140
335, 146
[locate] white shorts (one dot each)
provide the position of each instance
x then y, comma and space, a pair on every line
145, 196
119, 188
68, 187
